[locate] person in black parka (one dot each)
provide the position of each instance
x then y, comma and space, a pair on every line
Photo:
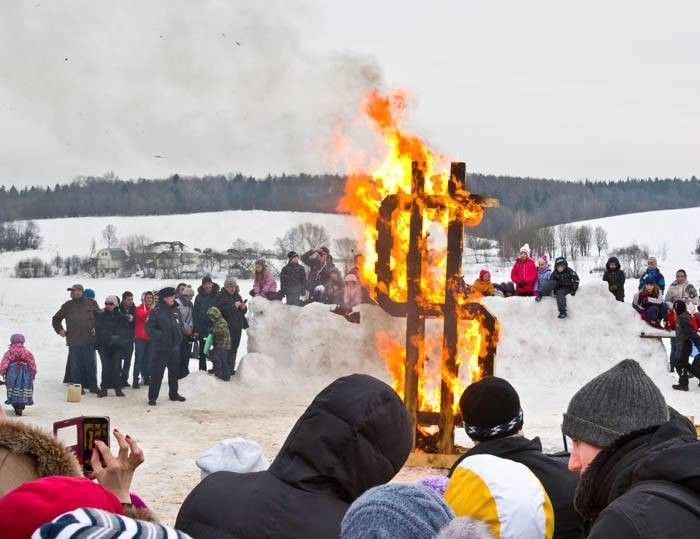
206, 297
113, 336
356, 434
493, 418
686, 337
293, 280
320, 264
563, 281
233, 309
615, 277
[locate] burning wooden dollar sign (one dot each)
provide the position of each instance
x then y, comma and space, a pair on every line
455, 308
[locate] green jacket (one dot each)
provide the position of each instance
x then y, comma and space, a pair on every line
219, 327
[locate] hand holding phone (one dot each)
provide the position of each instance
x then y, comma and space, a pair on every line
115, 473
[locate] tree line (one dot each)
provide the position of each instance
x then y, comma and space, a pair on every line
526, 203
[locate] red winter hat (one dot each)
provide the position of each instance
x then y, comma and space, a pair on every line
33, 504
484, 272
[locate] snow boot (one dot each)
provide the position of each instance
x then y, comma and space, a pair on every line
101, 393
178, 398
119, 393
562, 315
151, 403
136, 384
680, 387
538, 298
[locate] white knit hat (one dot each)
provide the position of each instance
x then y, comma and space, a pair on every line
525, 249
233, 455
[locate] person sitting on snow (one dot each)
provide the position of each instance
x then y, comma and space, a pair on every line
563, 281
615, 277
524, 273
686, 337
653, 275
483, 284
650, 304
544, 272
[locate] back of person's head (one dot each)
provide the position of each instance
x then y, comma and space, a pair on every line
680, 307
33, 504
17, 338
503, 494
233, 455
367, 436
491, 409
396, 510
466, 528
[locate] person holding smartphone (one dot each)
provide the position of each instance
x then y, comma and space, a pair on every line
233, 309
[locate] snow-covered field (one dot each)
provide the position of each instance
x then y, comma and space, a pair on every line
295, 352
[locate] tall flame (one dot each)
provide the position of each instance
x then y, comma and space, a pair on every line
364, 193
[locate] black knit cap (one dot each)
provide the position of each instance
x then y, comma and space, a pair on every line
206, 279
291, 254
491, 409
167, 292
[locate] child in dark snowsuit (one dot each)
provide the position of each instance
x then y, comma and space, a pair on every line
615, 278
19, 368
563, 281
221, 347
686, 338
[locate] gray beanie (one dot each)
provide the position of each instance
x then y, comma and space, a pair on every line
396, 510
619, 401
230, 281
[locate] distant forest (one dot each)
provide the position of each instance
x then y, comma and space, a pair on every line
526, 203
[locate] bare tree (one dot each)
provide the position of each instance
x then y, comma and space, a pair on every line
302, 238
582, 239
137, 245
109, 235
344, 249
563, 237
546, 241
601, 239
633, 259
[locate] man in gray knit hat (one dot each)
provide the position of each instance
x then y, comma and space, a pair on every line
634, 454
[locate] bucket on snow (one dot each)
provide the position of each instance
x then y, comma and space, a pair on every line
74, 392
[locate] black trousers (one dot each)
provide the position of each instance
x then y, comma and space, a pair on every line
164, 359
202, 355
684, 366
110, 358
235, 343
559, 293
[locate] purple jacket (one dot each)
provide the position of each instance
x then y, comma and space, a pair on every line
542, 277
263, 287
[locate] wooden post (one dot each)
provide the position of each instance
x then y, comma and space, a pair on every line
415, 322
455, 246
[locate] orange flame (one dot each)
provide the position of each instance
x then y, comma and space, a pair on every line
364, 193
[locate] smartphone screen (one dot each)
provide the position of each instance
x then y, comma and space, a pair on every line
94, 428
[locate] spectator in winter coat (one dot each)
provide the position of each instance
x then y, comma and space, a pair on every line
127, 309
367, 436
563, 281
544, 272
493, 419
352, 295
650, 304
615, 277
483, 284
653, 275
79, 314
524, 273
320, 263
112, 337
639, 472
335, 289
206, 296
19, 369
681, 289
686, 337
142, 342
187, 316
293, 280
264, 284
233, 309
221, 347
164, 326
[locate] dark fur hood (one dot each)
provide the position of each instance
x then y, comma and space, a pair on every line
214, 290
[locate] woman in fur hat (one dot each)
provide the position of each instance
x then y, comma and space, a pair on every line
19, 369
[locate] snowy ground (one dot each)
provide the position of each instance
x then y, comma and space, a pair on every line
299, 351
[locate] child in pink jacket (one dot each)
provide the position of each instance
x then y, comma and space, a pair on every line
19, 369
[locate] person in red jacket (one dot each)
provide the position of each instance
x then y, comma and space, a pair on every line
524, 273
142, 342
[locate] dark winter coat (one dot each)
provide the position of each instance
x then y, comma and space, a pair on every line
319, 273
113, 331
611, 498
164, 326
653, 276
130, 315
614, 277
355, 435
686, 335
293, 280
235, 317
335, 292
202, 303
79, 315
565, 279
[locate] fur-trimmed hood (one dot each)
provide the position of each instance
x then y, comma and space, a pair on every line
214, 290
28, 452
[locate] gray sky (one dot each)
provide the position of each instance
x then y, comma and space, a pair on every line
541, 88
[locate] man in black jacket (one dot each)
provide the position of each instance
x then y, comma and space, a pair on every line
112, 334
206, 297
233, 309
165, 329
493, 418
127, 308
615, 277
293, 280
685, 339
563, 281
355, 435
320, 264
636, 456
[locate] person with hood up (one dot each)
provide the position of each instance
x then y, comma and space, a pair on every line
493, 419
186, 307
352, 294
524, 273
206, 296
653, 275
19, 369
143, 347
233, 309
483, 284
544, 272
164, 326
563, 281
233, 455
112, 337
367, 436
636, 456
264, 284
649, 302
686, 337
221, 347
320, 263
615, 277
293, 280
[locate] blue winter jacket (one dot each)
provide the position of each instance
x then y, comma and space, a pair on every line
543, 276
653, 276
